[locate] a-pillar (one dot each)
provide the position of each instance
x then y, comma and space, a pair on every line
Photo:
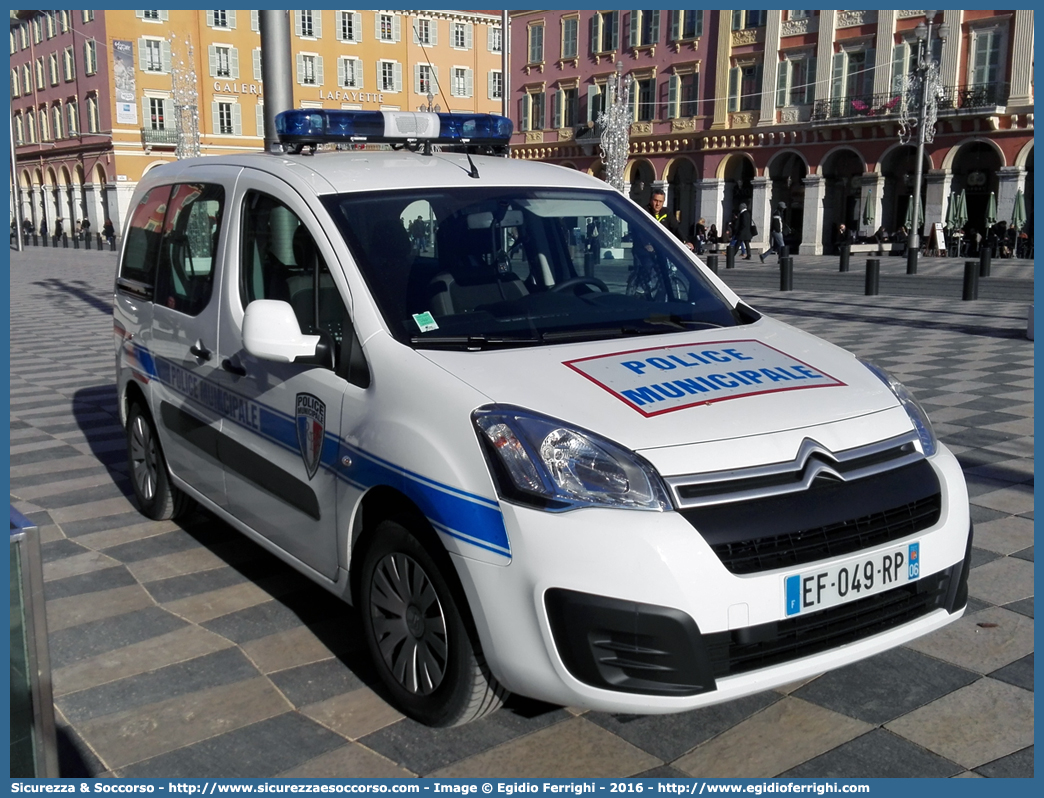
710, 202
937, 195
812, 226
873, 185
759, 210
1009, 180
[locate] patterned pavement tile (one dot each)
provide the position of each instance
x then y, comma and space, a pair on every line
879, 689
576, 748
355, 714
981, 641
348, 761
1002, 581
755, 748
1013, 766
878, 754
1003, 723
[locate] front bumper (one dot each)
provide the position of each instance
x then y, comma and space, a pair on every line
632, 611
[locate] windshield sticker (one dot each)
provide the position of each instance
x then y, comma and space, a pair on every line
425, 321
664, 379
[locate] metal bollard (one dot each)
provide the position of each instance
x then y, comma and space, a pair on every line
76, 242
971, 281
65, 240
112, 244
99, 241
844, 258
730, 257
911, 259
873, 276
984, 261
712, 262
46, 239
786, 273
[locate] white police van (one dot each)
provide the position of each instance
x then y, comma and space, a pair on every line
532, 438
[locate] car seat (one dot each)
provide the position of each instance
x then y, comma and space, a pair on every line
471, 275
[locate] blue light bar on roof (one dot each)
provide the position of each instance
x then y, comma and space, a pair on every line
307, 126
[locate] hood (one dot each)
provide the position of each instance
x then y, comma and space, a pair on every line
680, 389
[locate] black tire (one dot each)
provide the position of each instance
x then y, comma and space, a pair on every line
426, 653
157, 497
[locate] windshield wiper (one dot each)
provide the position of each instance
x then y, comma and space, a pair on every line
672, 320
472, 341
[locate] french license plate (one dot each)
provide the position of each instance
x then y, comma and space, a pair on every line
828, 587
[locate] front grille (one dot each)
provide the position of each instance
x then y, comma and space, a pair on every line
829, 519
832, 540
770, 644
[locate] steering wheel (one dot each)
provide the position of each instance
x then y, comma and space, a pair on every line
575, 281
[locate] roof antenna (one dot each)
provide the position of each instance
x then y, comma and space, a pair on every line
474, 169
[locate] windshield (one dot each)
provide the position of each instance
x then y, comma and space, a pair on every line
482, 267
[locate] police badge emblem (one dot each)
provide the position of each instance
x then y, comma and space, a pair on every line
311, 430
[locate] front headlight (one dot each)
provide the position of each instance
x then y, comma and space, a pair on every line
912, 407
542, 462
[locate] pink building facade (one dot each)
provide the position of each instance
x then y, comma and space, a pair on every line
792, 107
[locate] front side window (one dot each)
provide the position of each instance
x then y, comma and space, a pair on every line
280, 261
141, 252
185, 273
514, 266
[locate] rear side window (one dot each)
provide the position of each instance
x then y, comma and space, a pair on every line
189, 247
141, 252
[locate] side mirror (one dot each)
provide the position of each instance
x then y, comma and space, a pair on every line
271, 332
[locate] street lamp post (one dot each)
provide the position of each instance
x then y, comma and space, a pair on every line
926, 81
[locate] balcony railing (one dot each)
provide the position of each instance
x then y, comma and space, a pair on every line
159, 138
875, 106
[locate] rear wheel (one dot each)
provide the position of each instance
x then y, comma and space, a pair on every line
427, 656
156, 496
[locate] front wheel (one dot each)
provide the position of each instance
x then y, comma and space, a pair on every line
426, 654
157, 497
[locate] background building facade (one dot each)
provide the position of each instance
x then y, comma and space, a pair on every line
799, 107
95, 103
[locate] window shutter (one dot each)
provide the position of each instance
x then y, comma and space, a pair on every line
489, 85
377, 27
981, 50
898, 65
596, 18
213, 58
782, 78
141, 53
139, 14
632, 102
417, 79
318, 70
673, 88
397, 30
300, 69
695, 96
237, 119
469, 82
317, 24
734, 84
256, 58
435, 81
397, 70
676, 20
168, 113
297, 23
837, 83
810, 80
259, 119
215, 115
359, 73
558, 108
524, 111
699, 22
737, 20
255, 23
655, 28
614, 36
146, 116
634, 23
489, 39
416, 34
758, 82
233, 62
869, 67
356, 27
231, 17
434, 32
592, 102
210, 19
164, 16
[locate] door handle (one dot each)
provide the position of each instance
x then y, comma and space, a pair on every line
200, 351
229, 366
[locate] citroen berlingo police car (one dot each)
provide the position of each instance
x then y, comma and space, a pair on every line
536, 442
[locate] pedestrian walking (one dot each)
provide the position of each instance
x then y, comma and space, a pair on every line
776, 232
58, 230
109, 232
744, 230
